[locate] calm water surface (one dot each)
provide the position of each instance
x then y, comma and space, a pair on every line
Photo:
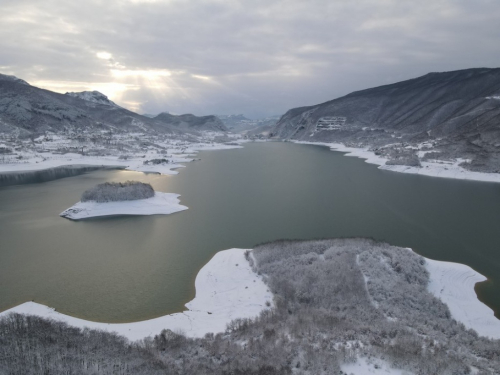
133, 268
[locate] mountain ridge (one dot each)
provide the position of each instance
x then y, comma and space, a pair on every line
28, 110
93, 96
457, 112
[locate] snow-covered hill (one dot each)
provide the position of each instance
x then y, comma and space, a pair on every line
445, 116
93, 96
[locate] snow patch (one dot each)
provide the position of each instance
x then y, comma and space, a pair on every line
366, 366
453, 283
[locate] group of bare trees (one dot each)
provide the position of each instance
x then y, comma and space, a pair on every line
335, 301
118, 191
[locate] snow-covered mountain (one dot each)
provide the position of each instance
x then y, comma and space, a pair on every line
5, 77
93, 96
451, 114
192, 122
26, 109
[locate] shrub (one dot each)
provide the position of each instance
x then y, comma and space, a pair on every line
155, 161
118, 191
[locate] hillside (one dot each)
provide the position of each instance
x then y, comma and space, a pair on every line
28, 110
191, 122
93, 96
449, 115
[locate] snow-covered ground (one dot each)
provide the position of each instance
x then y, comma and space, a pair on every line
454, 284
432, 169
226, 289
160, 204
129, 151
369, 366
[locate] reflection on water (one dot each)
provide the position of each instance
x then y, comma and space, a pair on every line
132, 268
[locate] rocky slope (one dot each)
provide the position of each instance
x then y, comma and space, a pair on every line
27, 110
439, 116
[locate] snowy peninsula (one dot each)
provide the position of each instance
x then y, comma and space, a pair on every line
226, 288
354, 305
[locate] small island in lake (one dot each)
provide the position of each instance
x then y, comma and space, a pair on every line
123, 198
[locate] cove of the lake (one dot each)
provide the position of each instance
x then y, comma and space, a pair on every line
123, 269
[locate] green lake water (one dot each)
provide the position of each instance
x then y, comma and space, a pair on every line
123, 269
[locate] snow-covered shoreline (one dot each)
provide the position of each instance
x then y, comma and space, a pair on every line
454, 283
226, 288
444, 170
134, 163
160, 204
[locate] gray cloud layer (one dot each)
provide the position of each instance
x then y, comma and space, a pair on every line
253, 57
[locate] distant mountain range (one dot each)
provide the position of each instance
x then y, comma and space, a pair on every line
456, 113
192, 122
240, 124
26, 109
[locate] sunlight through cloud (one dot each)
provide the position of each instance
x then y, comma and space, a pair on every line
203, 78
104, 55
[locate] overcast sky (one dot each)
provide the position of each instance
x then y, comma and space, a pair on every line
256, 57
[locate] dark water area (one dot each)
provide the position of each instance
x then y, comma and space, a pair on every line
123, 269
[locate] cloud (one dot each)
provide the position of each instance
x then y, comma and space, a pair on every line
258, 58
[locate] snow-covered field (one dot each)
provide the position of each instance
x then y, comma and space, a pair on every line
431, 169
369, 366
226, 289
454, 284
160, 204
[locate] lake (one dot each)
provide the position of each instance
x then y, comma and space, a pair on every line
123, 269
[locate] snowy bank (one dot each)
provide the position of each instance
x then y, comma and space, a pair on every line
368, 366
44, 163
430, 169
226, 289
160, 204
454, 283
